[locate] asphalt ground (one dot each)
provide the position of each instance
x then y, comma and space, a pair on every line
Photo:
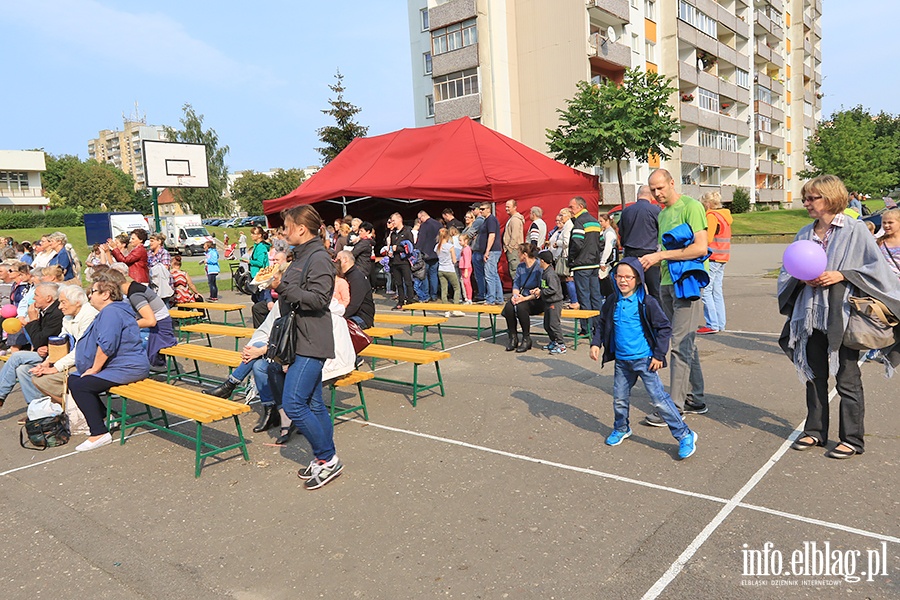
501, 489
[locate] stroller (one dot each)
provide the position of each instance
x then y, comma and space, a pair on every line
230, 251
241, 278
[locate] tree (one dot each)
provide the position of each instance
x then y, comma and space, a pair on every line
57, 166
211, 200
89, 185
337, 137
860, 149
251, 188
613, 122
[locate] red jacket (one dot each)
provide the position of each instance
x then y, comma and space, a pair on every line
138, 269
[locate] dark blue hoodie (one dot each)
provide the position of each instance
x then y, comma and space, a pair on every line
656, 326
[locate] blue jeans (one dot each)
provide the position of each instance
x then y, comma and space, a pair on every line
492, 278
713, 298
213, 288
587, 288
245, 368
421, 288
302, 402
478, 269
434, 288
626, 374
8, 373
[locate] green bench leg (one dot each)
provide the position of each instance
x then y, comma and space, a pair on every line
240, 432
441, 335
415, 383
198, 444
437, 367
362, 400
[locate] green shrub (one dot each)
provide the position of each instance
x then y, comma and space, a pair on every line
63, 217
740, 201
19, 219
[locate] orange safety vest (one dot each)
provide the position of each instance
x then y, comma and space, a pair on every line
720, 245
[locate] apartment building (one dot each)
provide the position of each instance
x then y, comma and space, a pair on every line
20, 180
741, 68
123, 148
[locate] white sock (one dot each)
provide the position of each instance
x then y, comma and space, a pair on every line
332, 462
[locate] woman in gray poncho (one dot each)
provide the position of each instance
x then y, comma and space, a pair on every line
818, 310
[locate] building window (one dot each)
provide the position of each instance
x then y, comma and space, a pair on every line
650, 9
763, 94
13, 180
454, 37
423, 18
742, 78
429, 106
689, 173
650, 51
426, 58
708, 175
808, 109
635, 43
708, 100
763, 123
456, 85
693, 16
717, 139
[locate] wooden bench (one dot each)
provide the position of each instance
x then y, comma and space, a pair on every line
224, 307
414, 321
198, 354
412, 355
353, 378
492, 311
580, 314
208, 329
188, 404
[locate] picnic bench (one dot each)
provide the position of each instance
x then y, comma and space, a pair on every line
491, 310
188, 404
223, 306
198, 354
411, 355
414, 321
208, 329
353, 378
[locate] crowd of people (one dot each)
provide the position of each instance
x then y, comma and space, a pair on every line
653, 278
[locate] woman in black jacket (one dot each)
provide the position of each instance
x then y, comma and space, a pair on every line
308, 285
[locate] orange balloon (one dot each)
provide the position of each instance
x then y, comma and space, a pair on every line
12, 325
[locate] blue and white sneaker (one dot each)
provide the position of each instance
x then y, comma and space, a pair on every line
688, 445
616, 437
558, 349
548, 346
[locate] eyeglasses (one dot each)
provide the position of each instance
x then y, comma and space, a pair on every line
93, 291
625, 277
811, 198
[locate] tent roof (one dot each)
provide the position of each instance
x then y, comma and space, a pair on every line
457, 161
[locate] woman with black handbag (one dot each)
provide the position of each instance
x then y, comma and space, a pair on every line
306, 286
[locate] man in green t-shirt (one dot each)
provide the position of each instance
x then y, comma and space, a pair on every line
686, 382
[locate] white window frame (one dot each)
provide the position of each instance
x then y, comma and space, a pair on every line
650, 51
423, 19
454, 36
742, 78
427, 66
650, 10
708, 100
698, 19
456, 85
429, 106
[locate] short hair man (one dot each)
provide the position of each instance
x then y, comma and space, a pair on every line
361, 308
449, 220
46, 324
584, 255
639, 234
686, 383
513, 236
399, 246
429, 288
489, 245
537, 232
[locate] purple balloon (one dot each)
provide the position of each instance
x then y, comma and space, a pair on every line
805, 260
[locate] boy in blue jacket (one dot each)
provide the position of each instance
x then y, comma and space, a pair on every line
635, 333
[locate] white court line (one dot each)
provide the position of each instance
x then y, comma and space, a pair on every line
739, 332
646, 484
676, 567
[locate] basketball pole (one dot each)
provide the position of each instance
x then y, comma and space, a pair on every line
155, 197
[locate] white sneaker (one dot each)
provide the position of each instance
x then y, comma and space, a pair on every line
86, 445
467, 302
447, 314
458, 313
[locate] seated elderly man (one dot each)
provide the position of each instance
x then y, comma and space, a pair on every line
48, 377
47, 323
361, 308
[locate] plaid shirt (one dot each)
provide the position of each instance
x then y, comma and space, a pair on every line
161, 256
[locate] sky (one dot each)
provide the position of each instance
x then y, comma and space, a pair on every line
259, 72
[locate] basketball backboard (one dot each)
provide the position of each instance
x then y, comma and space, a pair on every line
173, 165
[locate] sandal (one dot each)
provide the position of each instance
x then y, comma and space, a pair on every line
839, 453
805, 443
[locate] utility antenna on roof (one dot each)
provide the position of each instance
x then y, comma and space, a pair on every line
136, 115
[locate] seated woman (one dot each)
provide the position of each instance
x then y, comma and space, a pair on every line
185, 290
108, 354
522, 305
152, 313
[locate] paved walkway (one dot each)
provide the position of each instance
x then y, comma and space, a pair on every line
502, 489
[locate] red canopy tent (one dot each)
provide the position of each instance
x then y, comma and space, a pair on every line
459, 161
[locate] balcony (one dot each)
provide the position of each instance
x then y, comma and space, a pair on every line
464, 106
610, 193
768, 25
770, 54
603, 49
770, 196
615, 10
770, 167
688, 73
455, 60
450, 12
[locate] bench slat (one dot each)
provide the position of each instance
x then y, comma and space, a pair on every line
353, 378
413, 355
409, 319
215, 329
211, 306
180, 401
228, 358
